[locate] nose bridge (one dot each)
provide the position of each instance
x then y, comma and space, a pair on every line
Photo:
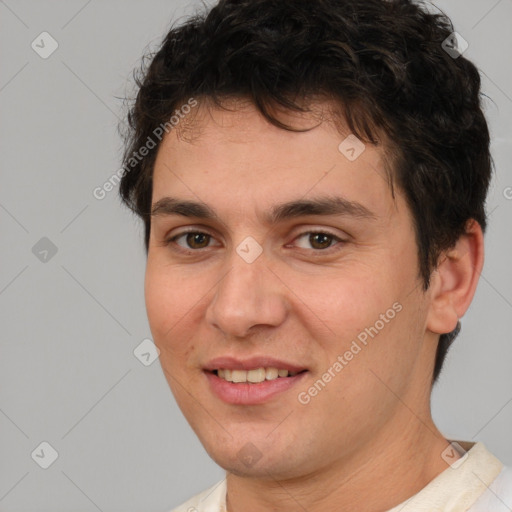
247, 295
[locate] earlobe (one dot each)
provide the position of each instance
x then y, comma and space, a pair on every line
454, 282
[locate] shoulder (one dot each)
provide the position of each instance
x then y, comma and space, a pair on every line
212, 499
503, 484
498, 497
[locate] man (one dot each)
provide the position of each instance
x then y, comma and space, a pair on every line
312, 178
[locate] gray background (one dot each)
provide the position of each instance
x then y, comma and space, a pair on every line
68, 375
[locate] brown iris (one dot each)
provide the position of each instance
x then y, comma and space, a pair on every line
320, 240
198, 240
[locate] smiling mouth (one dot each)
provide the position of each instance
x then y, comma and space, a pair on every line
254, 376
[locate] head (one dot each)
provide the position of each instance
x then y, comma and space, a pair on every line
246, 110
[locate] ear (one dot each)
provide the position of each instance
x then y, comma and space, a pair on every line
454, 282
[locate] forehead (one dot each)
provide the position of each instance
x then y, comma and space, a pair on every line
238, 153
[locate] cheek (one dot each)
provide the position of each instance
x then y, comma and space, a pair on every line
361, 316
169, 303
170, 316
343, 303
158, 295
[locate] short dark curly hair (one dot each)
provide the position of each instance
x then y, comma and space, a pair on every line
383, 62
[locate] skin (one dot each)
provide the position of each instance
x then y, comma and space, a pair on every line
367, 441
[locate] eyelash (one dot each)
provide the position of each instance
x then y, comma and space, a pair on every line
173, 239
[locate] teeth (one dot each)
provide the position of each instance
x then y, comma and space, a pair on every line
257, 375
238, 376
254, 376
271, 373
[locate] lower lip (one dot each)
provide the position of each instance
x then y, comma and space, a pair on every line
244, 393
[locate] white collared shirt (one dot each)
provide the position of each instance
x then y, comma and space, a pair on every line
479, 483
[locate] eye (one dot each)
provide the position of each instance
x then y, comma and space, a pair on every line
195, 240
192, 240
319, 240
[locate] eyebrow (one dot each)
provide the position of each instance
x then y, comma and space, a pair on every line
302, 207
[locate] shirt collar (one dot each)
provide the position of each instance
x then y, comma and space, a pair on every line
460, 485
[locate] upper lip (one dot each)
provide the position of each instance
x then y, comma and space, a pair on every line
232, 363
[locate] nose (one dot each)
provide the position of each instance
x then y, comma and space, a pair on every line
248, 295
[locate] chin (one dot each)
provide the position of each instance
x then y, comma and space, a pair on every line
247, 459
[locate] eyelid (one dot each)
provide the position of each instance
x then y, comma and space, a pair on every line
325, 231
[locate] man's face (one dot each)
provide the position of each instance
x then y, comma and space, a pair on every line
333, 295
